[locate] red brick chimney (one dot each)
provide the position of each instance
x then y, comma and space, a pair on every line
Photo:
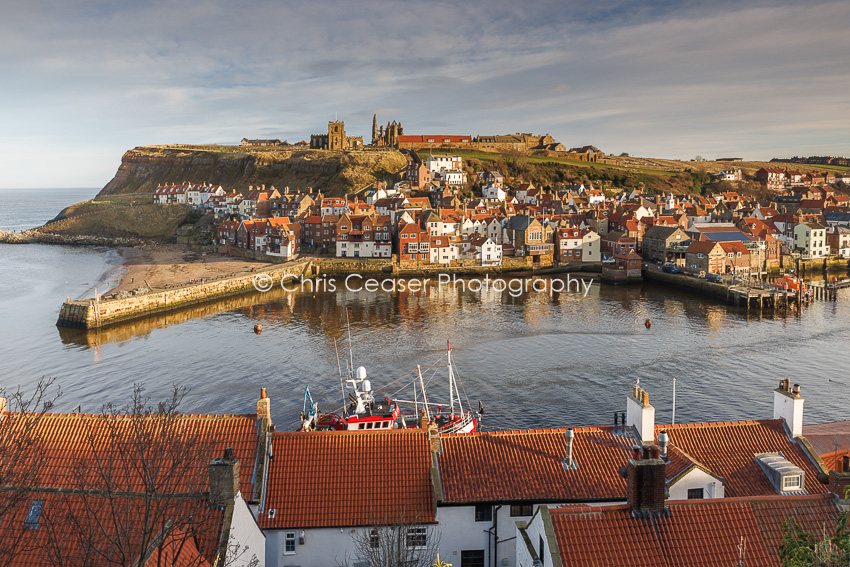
839, 480
645, 480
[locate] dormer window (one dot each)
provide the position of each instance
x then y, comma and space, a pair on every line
792, 482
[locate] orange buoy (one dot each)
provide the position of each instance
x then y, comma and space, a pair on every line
258, 328
647, 323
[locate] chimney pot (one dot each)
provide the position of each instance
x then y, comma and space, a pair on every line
655, 452
663, 443
796, 390
228, 453
569, 434
636, 452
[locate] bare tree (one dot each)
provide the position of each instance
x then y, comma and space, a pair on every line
21, 459
137, 489
396, 544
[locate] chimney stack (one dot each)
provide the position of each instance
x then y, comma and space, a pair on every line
645, 480
224, 477
569, 435
434, 438
640, 415
788, 405
264, 407
839, 480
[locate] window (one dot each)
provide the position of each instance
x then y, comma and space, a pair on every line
522, 510
289, 543
33, 514
791, 482
472, 558
374, 539
417, 536
695, 494
483, 513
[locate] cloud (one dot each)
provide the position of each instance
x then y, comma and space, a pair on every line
674, 78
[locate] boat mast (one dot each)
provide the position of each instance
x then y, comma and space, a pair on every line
451, 379
350, 349
424, 395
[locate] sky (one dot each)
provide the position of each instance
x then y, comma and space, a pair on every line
82, 82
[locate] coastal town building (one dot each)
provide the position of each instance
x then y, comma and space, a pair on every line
810, 240
488, 496
363, 236
160, 489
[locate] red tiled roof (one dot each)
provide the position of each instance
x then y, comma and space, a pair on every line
112, 527
728, 449
529, 465
696, 532
830, 440
69, 439
437, 139
339, 479
734, 246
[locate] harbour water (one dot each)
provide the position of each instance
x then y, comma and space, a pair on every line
537, 360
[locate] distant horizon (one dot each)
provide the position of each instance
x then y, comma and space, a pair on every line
650, 78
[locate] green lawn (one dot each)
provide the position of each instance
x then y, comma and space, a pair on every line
492, 157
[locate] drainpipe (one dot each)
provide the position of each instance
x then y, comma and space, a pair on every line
495, 528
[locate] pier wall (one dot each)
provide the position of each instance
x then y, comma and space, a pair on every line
94, 314
702, 286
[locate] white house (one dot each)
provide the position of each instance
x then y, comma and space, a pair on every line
494, 192
445, 162
591, 247
810, 240
487, 251
478, 491
443, 250
453, 177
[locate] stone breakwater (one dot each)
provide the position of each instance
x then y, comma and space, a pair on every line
38, 237
98, 313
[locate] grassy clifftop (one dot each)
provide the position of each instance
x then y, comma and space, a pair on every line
119, 216
237, 168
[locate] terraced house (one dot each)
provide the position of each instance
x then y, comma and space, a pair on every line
359, 236
492, 497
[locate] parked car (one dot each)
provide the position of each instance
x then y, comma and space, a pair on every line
671, 268
715, 278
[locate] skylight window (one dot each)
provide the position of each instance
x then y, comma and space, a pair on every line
33, 514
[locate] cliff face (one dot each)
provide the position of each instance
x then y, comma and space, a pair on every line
236, 168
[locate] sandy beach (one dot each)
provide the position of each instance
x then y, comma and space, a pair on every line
174, 265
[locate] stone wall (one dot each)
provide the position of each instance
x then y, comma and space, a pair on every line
92, 314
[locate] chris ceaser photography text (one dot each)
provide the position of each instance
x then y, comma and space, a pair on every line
515, 287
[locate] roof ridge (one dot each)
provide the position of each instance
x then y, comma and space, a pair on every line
66, 415
762, 498
281, 434
737, 423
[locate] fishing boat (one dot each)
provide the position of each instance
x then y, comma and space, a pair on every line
364, 411
791, 283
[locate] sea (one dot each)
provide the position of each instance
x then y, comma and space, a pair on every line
534, 360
